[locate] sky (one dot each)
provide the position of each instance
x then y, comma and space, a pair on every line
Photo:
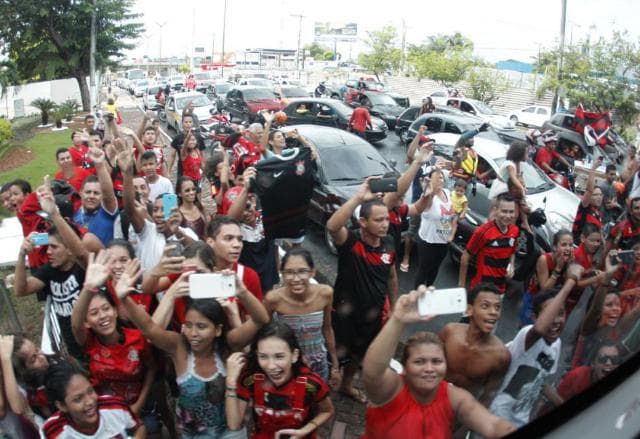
500, 29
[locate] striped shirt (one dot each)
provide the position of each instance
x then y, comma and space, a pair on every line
493, 250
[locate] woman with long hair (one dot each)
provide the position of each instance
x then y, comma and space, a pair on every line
190, 207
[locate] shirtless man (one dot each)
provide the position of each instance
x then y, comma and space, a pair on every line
476, 359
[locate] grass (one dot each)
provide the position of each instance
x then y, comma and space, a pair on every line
42, 147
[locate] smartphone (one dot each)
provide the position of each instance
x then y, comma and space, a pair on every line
211, 285
40, 239
626, 256
384, 185
177, 250
446, 301
169, 201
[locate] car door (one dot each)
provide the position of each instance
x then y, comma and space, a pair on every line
171, 112
295, 117
451, 127
528, 116
230, 103
433, 124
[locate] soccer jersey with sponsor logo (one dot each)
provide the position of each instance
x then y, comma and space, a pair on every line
493, 250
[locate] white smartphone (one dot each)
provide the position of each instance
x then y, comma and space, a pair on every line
211, 285
439, 302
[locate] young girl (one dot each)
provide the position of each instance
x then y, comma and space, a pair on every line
82, 413
120, 359
460, 205
306, 308
198, 353
191, 158
190, 207
287, 397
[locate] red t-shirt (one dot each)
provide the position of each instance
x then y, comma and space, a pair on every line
493, 250
288, 406
545, 155
146, 301
229, 196
249, 277
191, 166
79, 155
119, 369
534, 285
576, 381
359, 119
78, 177
404, 417
625, 235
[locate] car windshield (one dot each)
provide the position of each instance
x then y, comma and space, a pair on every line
341, 108
351, 164
222, 88
177, 78
535, 180
258, 94
198, 101
153, 90
381, 99
484, 109
260, 82
292, 92
143, 83
377, 86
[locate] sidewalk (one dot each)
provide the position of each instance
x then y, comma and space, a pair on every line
349, 420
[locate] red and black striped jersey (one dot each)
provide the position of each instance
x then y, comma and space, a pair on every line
584, 215
493, 250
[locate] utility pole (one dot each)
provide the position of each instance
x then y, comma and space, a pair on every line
224, 31
160, 44
92, 59
300, 17
563, 25
213, 46
404, 42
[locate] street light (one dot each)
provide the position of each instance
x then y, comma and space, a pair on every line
160, 45
300, 17
224, 31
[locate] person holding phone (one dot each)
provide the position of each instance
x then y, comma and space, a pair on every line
435, 228
198, 352
418, 402
366, 278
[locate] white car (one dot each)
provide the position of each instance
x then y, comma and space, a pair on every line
141, 85
532, 115
481, 110
202, 108
438, 97
149, 97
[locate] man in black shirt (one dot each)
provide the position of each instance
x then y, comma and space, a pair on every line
178, 142
366, 277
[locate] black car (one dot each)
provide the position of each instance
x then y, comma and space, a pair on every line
406, 118
442, 123
290, 92
331, 113
381, 105
346, 160
218, 92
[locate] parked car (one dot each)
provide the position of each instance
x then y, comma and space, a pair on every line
559, 204
177, 102
406, 118
245, 101
438, 97
346, 160
381, 105
217, 92
177, 82
290, 92
482, 111
149, 97
141, 85
350, 89
329, 112
257, 82
442, 123
532, 115
203, 81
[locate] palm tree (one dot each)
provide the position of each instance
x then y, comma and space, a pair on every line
45, 106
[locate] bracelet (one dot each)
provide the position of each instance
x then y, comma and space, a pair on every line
231, 389
229, 394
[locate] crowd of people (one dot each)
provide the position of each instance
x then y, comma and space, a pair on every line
111, 241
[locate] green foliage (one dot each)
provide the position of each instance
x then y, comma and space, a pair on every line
68, 108
49, 39
184, 69
6, 133
597, 74
382, 54
46, 107
486, 85
8, 76
318, 51
446, 59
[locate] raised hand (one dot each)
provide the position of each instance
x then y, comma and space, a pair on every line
364, 191
27, 246
96, 155
235, 363
168, 264
128, 279
125, 160
180, 288
248, 175
6, 347
97, 269
45, 197
406, 308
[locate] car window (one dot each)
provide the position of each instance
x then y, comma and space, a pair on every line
542, 111
381, 99
255, 94
222, 88
433, 124
466, 107
450, 127
352, 162
529, 110
438, 94
198, 101
411, 114
352, 84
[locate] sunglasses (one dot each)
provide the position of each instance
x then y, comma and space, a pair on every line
602, 359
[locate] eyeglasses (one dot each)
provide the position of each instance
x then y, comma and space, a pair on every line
602, 359
291, 274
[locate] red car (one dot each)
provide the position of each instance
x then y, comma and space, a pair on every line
245, 101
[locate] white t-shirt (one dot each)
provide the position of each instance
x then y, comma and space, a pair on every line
523, 381
161, 186
499, 185
435, 226
151, 244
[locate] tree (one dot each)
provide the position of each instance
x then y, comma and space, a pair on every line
318, 51
49, 39
486, 85
443, 43
597, 74
382, 55
46, 106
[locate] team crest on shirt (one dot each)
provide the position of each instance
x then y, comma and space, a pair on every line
512, 241
133, 355
300, 167
385, 258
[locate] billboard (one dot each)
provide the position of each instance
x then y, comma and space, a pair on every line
335, 31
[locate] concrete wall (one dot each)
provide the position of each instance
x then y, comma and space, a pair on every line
16, 102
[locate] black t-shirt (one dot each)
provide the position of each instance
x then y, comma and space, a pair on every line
64, 288
259, 253
178, 142
284, 184
363, 275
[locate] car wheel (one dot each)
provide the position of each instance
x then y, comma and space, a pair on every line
331, 245
514, 119
403, 136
